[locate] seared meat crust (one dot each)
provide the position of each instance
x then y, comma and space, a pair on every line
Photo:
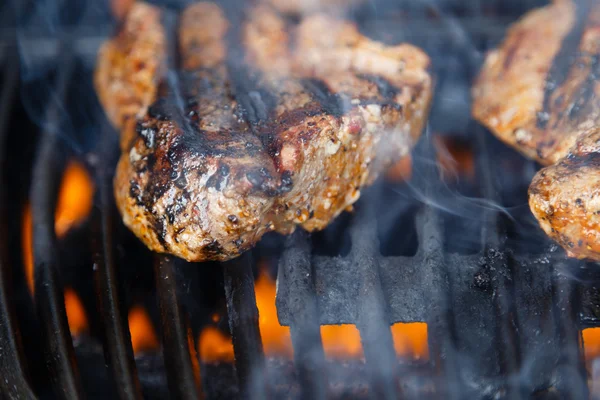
130, 67
565, 198
539, 93
236, 147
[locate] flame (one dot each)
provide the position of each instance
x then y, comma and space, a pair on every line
76, 317
193, 356
455, 158
339, 341
401, 170
73, 206
410, 340
214, 345
591, 343
276, 338
143, 336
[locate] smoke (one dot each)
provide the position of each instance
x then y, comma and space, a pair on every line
57, 42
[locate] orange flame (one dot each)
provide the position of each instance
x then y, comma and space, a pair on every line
214, 345
455, 158
143, 336
339, 341
400, 171
76, 317
276, 338
591, 343
74, 205
410, 340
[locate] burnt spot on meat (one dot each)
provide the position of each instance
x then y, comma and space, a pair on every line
161, 231
175, 209
233, 219
147, 132
162, 109
214, 248
261, 181
286, 182
135, 192
331, 103
255, 102
586, 90
575, 162
564, 60
181, 181
385, 88
219, 179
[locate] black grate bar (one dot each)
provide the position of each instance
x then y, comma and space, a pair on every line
49, 299
243, 323
183, 383
118, 351
305, 330
372, 316
571, 373
440, 319
12, 369
498, 265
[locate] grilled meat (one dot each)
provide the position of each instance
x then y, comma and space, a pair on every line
565, 198
539, 93
129, 68
265, 128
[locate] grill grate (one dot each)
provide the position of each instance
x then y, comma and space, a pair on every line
364, 287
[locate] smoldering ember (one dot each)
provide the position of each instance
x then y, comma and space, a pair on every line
352, 232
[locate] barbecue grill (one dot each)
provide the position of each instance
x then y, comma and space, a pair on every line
504, 307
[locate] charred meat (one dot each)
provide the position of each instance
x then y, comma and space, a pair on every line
539, 93
268, 124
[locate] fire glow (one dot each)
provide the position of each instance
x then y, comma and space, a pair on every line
73, 206
76, 317
339, 341
143, 335
591, 343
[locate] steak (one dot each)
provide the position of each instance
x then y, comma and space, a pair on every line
539, 93
267, 123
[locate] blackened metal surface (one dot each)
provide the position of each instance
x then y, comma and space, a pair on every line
117, 339
183, 383
371, 317
12, 365
309, 355
49, 300
243, 323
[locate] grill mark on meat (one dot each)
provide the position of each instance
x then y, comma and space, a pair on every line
563, 61
586, 90
386, 89
331, 103
255, 102
212, 144
577, 161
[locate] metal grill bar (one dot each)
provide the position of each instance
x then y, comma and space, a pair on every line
571, 374
183, 383
502, 276
118, 351
243, 322
49, 300
372, 318
12, 368
309, 355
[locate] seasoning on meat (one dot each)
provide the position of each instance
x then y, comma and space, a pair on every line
539, 93
270, 124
